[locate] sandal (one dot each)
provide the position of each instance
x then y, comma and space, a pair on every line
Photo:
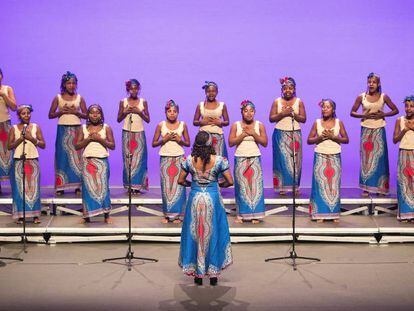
255, 221
59, 193
164, 220
238, 221
19, 221
177, 221
36, 220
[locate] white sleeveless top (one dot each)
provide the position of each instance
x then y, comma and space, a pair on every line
328, 146
95, 149
69, 119
285, 124
171, 148
214, 113
30, 149
248, 147
373, 107
137, 124
407, 142
4, 110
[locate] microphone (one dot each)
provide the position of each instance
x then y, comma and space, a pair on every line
24, 130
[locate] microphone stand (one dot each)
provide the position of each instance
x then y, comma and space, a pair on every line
293, 255
129, 254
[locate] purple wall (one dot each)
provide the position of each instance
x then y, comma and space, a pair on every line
171, 47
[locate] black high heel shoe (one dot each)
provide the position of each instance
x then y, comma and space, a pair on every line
213, 281
198, 281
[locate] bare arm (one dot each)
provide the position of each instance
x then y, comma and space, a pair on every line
182, 179
228, 180
186, 141
40, 141
274, 116
355, 107
81, 141
11, 143
121, 113
262, 139
225, 121
197, 116
235, 140
313, 137
342, 138
156, 141
398, 133
83, 113
9, 98
144, 114
109, 142
391, 105
301, 116
53, 113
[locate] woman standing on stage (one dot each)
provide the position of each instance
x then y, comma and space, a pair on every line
171, 135
211, 116
404, 133
95, 138
285, 111
327, 133
7, 101
247, 135
205, 247
24, 138
69, 107
374, 170
133, 110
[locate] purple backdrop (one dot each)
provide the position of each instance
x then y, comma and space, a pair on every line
171, 47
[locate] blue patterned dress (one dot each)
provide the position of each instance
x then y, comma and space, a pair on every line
405, 174
374, 171
205, 247
68, 160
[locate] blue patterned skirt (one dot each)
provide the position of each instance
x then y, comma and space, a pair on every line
138, 148
68, 161
5, 154
32, 188
282, 159
219, 144
173, 194
248, 177
95, 187
374, 172
405, 184
205, 247
325, 199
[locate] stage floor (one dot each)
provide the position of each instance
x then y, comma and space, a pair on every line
73, 277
